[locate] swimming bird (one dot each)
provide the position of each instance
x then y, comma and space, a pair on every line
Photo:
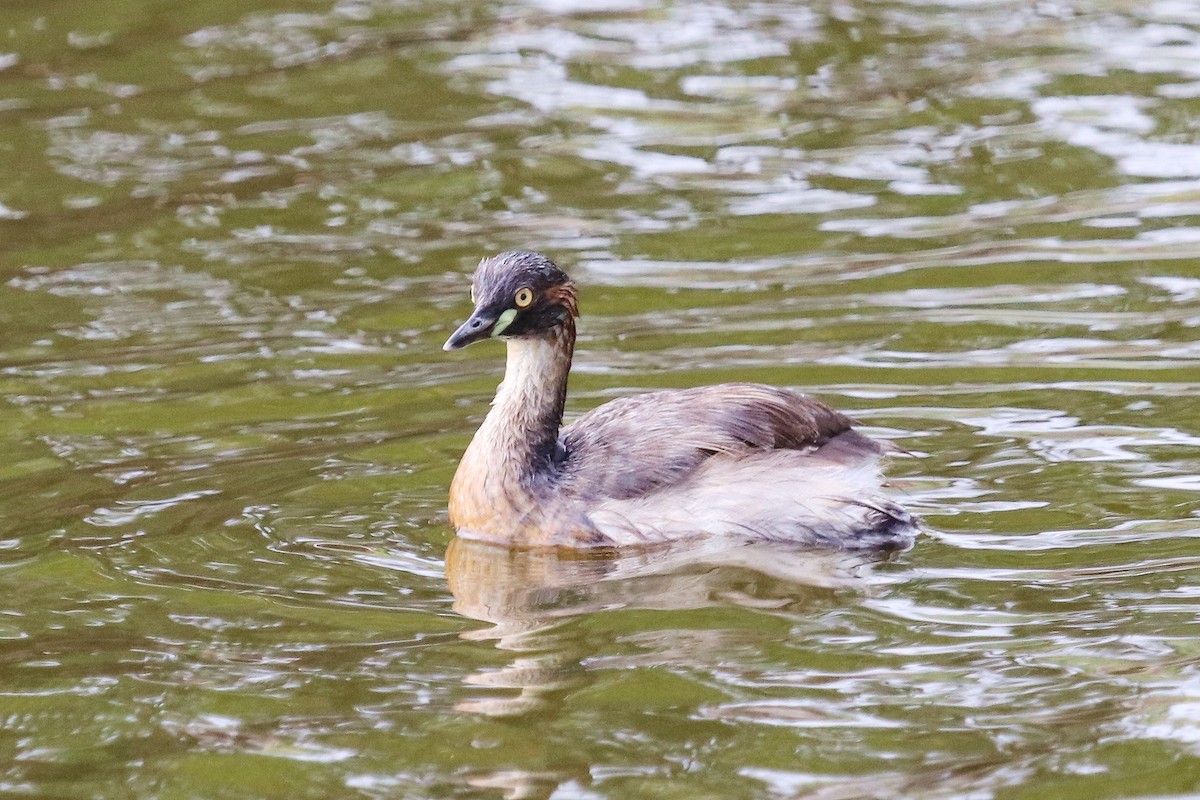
738, 460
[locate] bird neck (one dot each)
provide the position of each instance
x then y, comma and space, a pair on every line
501, 479
523, 423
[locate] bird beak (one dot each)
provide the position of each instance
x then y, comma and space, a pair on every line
479, 326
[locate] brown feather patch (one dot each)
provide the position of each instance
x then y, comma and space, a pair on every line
566, 295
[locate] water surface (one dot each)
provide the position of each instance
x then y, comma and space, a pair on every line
234, 235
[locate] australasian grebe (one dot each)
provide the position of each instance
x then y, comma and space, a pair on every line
739, 460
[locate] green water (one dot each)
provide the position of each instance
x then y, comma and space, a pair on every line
233, 236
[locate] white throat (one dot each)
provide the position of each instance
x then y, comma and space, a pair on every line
534, 365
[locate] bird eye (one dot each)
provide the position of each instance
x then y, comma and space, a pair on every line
523, 297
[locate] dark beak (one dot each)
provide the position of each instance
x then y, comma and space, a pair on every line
479, 326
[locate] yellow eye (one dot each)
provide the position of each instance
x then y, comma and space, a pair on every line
523, 297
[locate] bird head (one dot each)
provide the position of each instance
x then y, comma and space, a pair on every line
518, 294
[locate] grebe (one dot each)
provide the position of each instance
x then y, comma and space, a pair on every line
737, 460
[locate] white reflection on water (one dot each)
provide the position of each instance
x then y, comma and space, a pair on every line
1116, 127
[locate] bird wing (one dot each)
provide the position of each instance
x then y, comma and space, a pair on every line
633, 445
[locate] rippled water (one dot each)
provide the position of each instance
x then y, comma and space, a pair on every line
234, 235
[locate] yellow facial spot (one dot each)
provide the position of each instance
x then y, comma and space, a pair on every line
523, 297
503, 322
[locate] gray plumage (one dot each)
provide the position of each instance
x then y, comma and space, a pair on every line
638, 444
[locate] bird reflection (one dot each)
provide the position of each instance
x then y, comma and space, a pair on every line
528, 595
